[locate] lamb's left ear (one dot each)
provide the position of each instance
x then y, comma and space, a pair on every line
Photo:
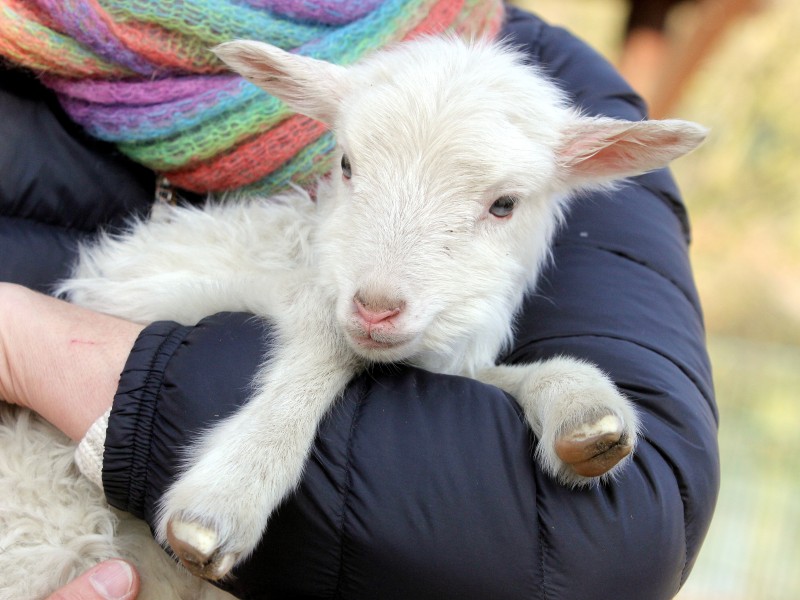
597, 150
309, 86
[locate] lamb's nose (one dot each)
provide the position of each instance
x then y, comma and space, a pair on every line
378, 310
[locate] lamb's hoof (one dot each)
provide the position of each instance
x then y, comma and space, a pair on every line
594, 448
197, 547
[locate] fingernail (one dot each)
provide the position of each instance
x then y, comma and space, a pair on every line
113, 580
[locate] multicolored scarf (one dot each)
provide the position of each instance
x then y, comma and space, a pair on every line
139, 73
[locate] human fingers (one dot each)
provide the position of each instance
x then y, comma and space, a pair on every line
110, 580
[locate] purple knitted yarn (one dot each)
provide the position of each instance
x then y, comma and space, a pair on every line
143, 92
141, 121
81, 20
332, 12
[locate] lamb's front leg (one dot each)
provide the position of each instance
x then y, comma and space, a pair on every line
215, 514
586, 427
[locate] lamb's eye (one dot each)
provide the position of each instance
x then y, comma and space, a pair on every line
347, 170
503, 206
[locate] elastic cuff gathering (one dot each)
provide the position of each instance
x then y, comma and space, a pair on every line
127, 441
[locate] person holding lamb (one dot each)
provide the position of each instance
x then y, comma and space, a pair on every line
418, 484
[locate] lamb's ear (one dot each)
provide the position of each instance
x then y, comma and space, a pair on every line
598, 150
309, 86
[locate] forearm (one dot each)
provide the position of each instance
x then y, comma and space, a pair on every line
58, 359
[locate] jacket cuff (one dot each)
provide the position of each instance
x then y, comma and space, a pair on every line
127, 450
178, 381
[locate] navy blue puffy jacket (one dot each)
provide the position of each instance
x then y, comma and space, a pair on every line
420, 485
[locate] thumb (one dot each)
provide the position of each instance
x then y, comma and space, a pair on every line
110, 580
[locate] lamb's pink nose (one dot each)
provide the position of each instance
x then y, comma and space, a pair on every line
376, 312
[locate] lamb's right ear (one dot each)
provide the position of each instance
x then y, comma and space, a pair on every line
309, 86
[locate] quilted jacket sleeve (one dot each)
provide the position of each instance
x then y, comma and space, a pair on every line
422, 485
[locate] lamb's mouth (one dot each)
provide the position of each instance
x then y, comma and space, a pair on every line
382, 347
368, 342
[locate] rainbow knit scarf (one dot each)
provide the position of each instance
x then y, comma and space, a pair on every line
139, 73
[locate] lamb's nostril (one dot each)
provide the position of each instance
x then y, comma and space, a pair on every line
377, 311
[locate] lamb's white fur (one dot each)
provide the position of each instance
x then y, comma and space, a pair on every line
436, 131
55, 523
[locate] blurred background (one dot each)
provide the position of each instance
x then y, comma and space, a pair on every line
734, 65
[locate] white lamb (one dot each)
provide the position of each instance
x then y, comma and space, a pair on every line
457, 161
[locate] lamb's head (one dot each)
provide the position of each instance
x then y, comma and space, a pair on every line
455, 163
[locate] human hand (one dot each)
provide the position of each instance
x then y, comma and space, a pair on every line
60, 360
110, 580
